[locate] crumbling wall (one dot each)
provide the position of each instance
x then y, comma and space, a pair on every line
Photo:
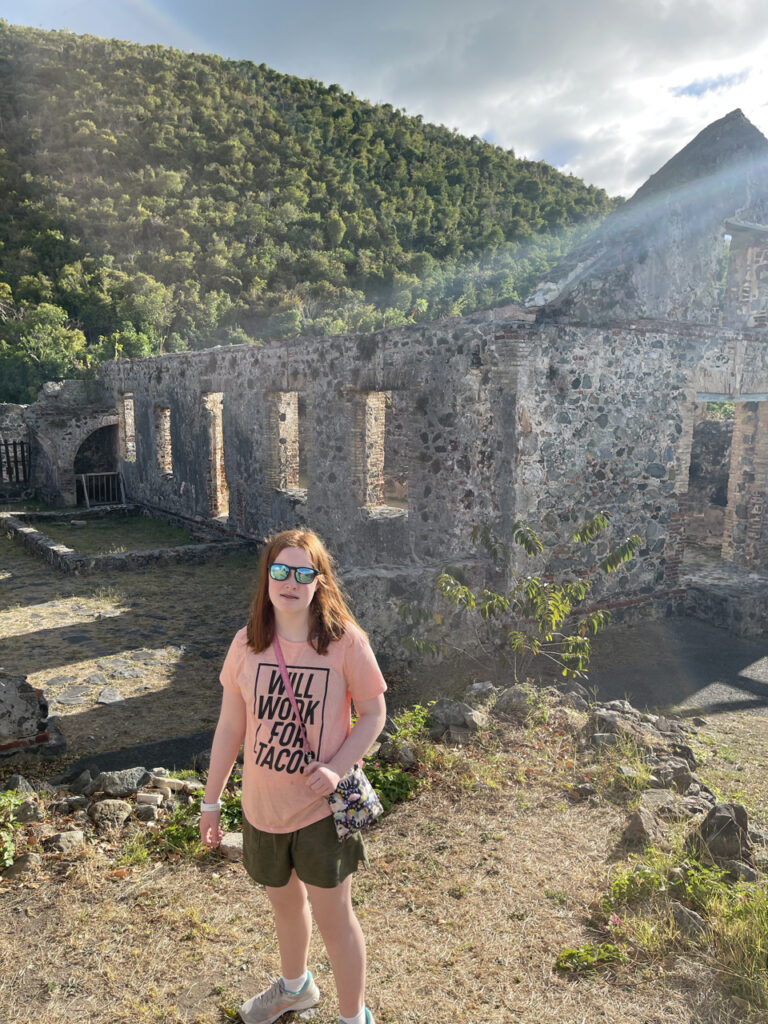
485, 419
64, 415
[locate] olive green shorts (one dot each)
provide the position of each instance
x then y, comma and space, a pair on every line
314, 851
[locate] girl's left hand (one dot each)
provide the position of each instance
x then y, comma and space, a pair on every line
320, 778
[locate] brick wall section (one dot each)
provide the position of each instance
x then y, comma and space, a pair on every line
218, 492
743, 537
756, 554
374, 447
163, 445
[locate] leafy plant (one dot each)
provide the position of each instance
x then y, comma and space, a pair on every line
391, 781
411, 723
9, 801
537, 616
181, 835
582, 959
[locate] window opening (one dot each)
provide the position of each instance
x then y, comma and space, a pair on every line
707, 497
218, 491
163, 448
385, 449
286, 435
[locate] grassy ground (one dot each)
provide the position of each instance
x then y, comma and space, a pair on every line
115, 533
475, 885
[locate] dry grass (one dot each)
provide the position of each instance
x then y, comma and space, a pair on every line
469, 899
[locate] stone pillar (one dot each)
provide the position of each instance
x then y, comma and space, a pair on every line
745, 538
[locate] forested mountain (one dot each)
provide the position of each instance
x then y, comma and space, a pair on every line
153, 200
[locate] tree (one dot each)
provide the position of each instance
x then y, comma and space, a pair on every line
39, 345
535, 617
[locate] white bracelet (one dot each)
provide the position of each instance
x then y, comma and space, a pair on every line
210, 807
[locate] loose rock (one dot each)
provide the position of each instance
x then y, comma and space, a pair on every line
232, 846
643, 829
513, 701
110, 695
146, 812
723, 835
65, 842
689, 922
123, 783
26, 864
29, 810
109, 813
18, 783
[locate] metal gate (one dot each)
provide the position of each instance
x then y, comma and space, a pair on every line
15, 462
102, 489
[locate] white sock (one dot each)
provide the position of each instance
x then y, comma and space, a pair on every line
294, 985
359, 1018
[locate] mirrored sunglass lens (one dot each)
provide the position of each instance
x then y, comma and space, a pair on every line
278, 572
304, 575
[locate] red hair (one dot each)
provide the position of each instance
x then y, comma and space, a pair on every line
329, 613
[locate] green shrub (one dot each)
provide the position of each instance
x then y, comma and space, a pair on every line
9, 801
391, 781
638, 909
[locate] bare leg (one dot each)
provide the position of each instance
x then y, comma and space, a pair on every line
344, 942
293, 923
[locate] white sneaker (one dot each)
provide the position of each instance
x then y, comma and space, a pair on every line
274, 1001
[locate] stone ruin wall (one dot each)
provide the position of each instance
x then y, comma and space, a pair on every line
483, 419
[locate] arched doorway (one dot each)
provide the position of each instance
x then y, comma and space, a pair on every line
97, 480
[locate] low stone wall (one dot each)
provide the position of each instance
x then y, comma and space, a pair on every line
20, 529
726, 596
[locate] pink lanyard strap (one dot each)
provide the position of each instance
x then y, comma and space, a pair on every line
289, 690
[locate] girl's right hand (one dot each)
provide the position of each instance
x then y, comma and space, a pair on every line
211, 832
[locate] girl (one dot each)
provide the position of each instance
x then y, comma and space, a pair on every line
289, 839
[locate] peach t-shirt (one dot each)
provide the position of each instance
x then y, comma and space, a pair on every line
275, 796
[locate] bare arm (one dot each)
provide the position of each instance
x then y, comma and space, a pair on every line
371, 715
229, 735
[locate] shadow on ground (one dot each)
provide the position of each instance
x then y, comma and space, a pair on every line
681, 664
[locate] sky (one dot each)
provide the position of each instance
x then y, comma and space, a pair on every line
605, 89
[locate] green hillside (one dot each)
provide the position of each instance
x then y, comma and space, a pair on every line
153, 200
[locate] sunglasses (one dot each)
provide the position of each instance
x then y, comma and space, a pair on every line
302, 574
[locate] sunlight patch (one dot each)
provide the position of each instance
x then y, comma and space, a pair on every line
58, 614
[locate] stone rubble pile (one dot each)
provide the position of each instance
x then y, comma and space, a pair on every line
101, 803
93, 804
720, 834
